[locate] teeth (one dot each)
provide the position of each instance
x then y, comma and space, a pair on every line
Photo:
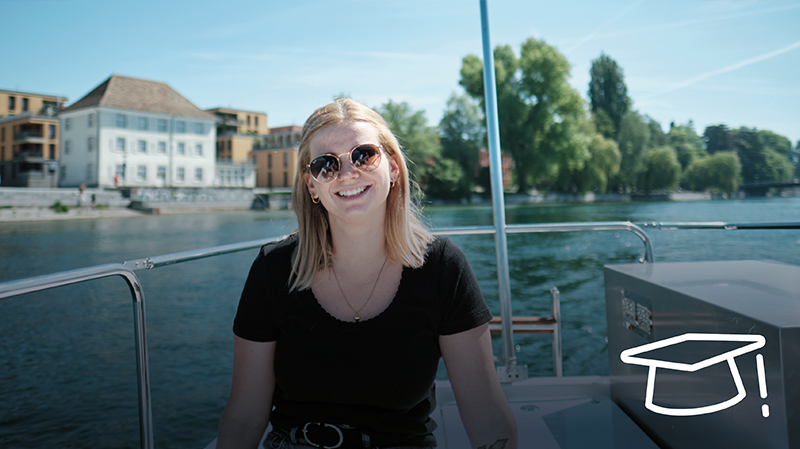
352, 192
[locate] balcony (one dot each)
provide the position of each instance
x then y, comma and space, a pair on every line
29, 137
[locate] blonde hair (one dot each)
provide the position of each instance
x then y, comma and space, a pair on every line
406, 236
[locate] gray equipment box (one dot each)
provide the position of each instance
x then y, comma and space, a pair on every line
707, 354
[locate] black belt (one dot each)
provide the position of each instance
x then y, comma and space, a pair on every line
328, 436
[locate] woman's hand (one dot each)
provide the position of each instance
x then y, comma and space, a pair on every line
482, 405
247, 413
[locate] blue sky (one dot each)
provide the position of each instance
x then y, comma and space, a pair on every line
731, 62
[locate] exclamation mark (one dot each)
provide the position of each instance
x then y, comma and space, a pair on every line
762, 384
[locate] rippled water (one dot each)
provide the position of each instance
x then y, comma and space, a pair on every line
67, 367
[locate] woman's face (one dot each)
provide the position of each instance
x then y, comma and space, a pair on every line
355, 196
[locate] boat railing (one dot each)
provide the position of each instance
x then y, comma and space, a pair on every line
127, 270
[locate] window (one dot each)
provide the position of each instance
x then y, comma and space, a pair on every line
66, 146
51, 132
181, 148
269, 180
67, 124
52, 151
141, 123
162, 125
62, 171
141, 146
141, 173
90, 144
89, 172
24, 104
198, 174
180, 127
180, 174
285, 160
269, 161
162, 147
198, 149
256, 120
198, 128
12, 103
122, 121
161, 173
285, 179
120, 171
121, 144
248, 121
90, 120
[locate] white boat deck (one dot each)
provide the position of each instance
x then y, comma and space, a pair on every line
551, 413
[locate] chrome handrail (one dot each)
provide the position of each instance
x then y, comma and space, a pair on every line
46, 282
649, 257
126, 270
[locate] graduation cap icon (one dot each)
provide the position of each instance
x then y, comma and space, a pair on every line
634, 356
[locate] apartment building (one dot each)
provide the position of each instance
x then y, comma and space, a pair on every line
15, 102
29, 133
130, 132
275, 157
237, 131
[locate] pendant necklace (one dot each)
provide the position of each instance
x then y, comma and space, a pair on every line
356, 312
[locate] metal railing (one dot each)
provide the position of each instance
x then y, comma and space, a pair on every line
127, 271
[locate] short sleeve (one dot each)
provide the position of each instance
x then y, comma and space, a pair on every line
463, 307
256, 316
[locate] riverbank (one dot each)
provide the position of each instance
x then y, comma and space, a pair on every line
15, 214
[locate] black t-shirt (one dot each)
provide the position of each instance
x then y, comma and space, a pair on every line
377, 374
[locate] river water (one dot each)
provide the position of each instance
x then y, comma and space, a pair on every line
67, 366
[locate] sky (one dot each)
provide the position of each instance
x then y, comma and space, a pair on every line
731, 62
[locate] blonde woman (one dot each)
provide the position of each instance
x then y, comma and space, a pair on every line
341, 326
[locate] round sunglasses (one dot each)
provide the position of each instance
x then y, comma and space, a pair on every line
326, 168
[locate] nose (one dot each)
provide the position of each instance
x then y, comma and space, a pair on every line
346, 168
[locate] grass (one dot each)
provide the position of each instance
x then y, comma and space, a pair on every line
59, 208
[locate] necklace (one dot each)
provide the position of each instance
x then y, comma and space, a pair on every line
356, 312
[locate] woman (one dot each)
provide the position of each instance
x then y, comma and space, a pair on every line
341, 325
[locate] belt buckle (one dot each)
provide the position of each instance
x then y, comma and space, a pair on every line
336, 428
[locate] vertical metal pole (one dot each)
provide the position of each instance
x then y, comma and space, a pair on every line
555, 312
509, 372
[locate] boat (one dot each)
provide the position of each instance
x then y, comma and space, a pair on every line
724, 337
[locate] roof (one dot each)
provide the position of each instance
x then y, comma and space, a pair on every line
19, 92
233, 111
139, 95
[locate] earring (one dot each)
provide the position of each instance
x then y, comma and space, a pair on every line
315, 199
391, 184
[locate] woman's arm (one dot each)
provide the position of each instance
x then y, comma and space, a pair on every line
247, 413
482, 405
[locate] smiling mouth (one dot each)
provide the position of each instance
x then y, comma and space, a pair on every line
351, 192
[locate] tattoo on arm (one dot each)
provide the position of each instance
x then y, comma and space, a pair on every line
499, 444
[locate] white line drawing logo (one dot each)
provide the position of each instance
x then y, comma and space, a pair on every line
756, 342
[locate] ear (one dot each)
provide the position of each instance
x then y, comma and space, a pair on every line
310, 184
394, 169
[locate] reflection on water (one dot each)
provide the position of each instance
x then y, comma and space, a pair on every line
67, 367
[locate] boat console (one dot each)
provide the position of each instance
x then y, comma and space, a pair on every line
707, 354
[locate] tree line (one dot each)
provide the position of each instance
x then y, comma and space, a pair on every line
558, 143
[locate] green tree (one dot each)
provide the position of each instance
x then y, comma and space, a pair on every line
718, 173
608, 92
463, 133
540, 114
601, 166
717, 139
764, 155
661, 170
420, 142
687, 144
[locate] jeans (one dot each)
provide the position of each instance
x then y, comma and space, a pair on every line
275, 441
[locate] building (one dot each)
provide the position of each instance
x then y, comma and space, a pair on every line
237, 131
276, 157
130, 132
15, 103
29, 133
